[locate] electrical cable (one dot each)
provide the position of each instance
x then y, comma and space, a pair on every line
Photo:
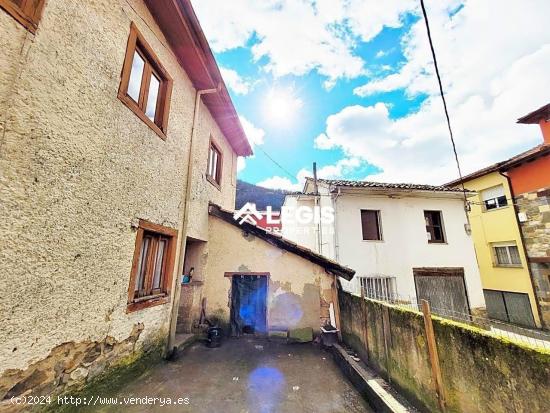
444, 103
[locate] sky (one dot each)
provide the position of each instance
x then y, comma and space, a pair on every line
350, 84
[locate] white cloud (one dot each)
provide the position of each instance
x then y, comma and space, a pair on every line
298, 36
492, 75
335, 171
367, 18
235, 82
255, 136
278, 182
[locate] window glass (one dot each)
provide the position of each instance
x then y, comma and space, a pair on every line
158, 264
502, 255
514, 255
142, 264
136, 74
214, 159
370, 224
154, 87
434, 226
494, 197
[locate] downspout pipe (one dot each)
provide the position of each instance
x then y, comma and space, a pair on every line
182, 227
537, 304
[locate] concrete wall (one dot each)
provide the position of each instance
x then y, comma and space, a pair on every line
299, 292
79, 170
480, 373
498, 225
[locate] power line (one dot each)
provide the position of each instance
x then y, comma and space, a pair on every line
443, 99
276, 163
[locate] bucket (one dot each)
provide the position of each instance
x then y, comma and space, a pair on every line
214, 337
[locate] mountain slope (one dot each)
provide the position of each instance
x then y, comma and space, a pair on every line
260, 196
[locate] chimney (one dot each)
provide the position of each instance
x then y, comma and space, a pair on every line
541, 116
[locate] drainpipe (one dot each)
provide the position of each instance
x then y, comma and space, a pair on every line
537, 304
335, 225
182, 228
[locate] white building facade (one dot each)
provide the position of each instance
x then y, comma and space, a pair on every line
405, 241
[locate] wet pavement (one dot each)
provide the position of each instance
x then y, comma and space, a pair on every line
243, 375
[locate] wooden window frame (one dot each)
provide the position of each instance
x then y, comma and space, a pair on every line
379, 223
443, 235
215, 180
163, 295
136, 42
28, 14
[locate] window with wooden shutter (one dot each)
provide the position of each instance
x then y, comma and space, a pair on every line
145, 86
152, 267
26, 12
370, 224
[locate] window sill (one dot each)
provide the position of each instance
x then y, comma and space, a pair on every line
130, 104
213, 182
379, 241
495, 209
507, 266
146, 302
437, 243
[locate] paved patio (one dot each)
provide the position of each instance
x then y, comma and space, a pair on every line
246, 375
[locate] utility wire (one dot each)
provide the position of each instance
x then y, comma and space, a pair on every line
276, 163
444, 103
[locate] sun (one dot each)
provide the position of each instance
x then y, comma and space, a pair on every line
281, 106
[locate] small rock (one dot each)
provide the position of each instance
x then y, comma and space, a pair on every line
295, 388
79, 374
235, 379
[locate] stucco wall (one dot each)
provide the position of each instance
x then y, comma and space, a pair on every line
480, 373
404, 245
78, 171
498, 225
202, 191
299, 291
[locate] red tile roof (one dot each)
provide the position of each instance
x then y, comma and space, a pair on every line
502, 166
383, 185
542, 113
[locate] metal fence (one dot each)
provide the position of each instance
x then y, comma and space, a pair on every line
512, 332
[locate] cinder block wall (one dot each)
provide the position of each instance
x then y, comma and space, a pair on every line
480, 373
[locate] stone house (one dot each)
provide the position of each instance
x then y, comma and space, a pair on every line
529, 177
116, 134
405, 241
510, 216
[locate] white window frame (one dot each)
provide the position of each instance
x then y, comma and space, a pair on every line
494, 199
507, 246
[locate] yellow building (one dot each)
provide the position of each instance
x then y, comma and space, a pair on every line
503, 266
